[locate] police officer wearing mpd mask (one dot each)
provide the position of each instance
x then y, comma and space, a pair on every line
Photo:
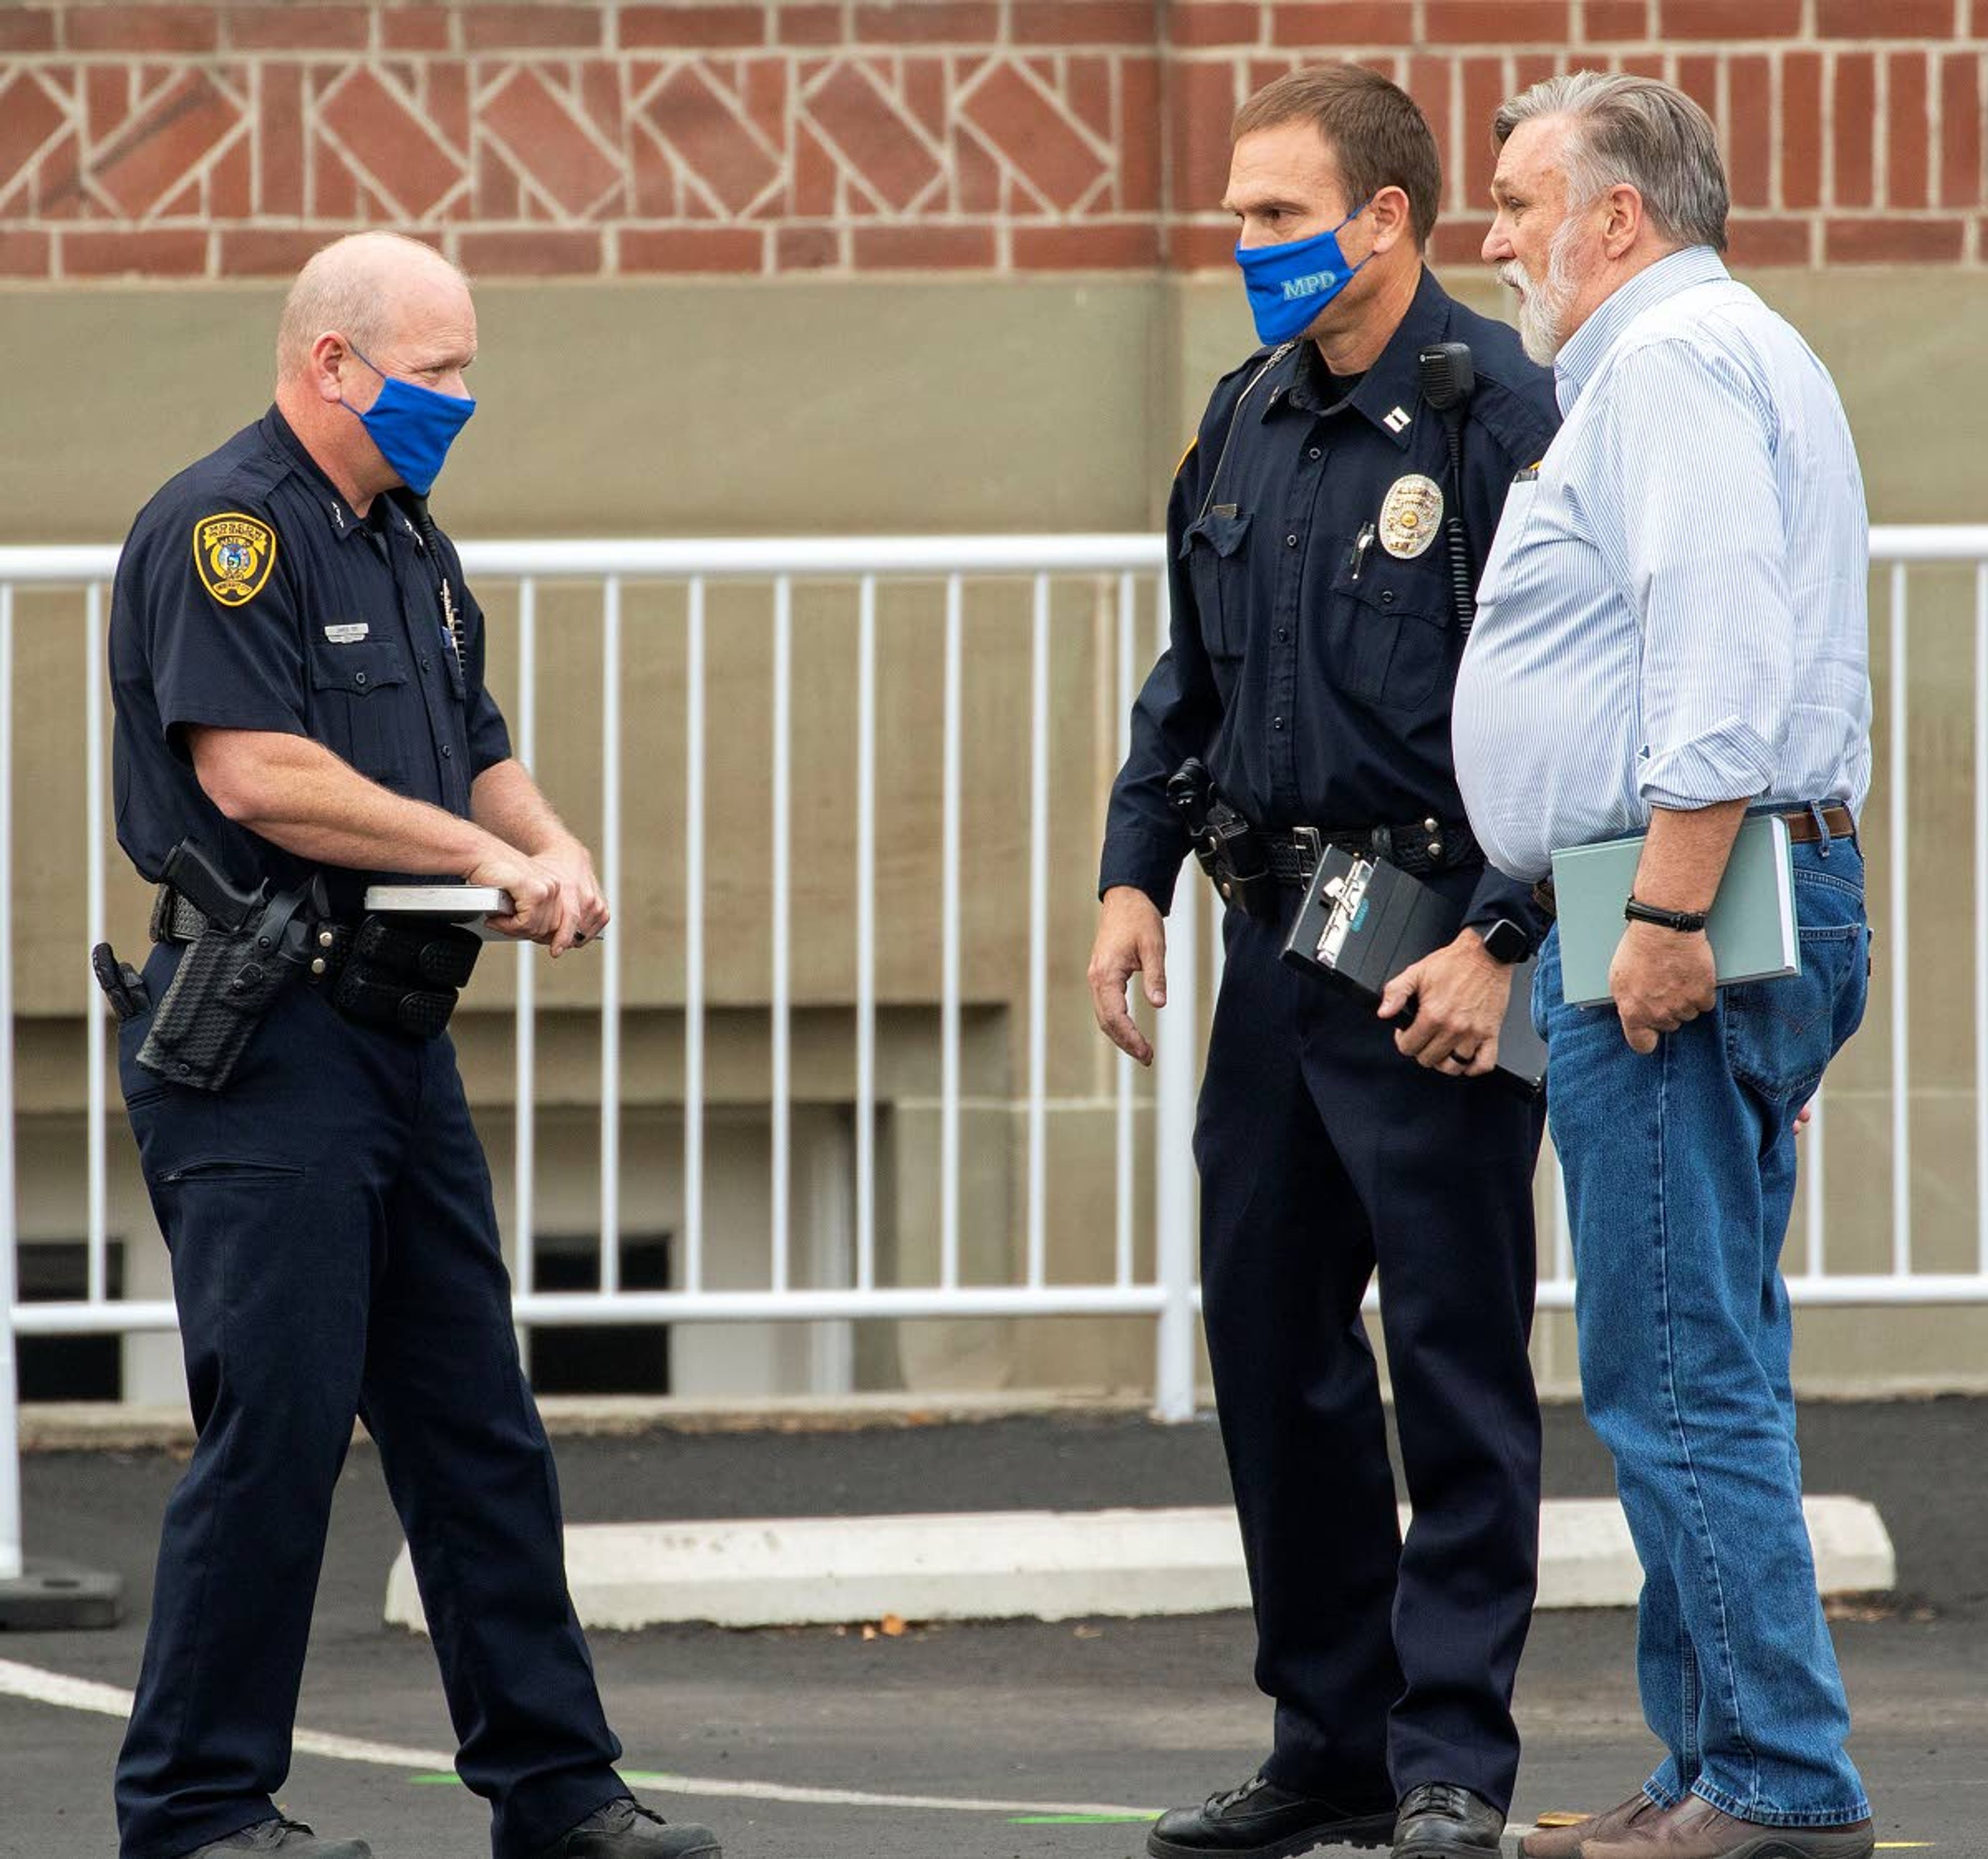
298, 674
1316, 635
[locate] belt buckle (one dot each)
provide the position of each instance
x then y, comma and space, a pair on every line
1311, 847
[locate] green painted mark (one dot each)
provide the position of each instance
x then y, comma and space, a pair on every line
436, 1781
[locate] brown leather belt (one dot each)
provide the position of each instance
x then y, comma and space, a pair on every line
1802, 830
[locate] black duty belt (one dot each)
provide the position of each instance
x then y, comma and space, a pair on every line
1421, 847
401, 974
176, 919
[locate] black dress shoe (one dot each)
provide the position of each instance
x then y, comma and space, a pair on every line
291, 1838
626, 1830
1260, 1821
1440, 1821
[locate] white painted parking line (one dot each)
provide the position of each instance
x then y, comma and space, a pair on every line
38, 1686
41, 1687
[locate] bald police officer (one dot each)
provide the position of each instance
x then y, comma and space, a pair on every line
1315, 641
298, 674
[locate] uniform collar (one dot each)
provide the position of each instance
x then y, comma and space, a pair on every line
338, 513
1581, 355
1389, 395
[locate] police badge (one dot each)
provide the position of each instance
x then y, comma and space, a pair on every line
1410, 517
233, 554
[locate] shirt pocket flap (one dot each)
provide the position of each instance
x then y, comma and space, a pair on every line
1399, 590
361, 668
1223, 530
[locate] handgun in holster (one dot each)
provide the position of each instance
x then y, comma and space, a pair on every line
1226, 845
245, 947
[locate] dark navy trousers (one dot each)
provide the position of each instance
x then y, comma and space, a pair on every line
335, 1252
1325, 1154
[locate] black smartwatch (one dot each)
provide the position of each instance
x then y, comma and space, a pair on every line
1685, 923
1505, 941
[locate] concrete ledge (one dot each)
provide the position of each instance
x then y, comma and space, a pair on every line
98, 1426
1046, 1565
88, 1426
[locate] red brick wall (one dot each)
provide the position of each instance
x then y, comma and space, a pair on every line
181, 140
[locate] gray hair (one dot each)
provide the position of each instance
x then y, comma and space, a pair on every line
1636, 132
349, 285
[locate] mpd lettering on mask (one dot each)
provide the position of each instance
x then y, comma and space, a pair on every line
1289, 284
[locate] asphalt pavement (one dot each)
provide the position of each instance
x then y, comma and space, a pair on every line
1008, 1741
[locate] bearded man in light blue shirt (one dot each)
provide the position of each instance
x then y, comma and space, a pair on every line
1671, 632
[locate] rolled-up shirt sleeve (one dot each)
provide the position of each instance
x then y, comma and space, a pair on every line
1691, 530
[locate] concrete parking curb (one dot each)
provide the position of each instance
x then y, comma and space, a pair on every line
1047, 1565
93, 1426
89, 1426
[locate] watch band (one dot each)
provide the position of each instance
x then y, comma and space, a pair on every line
1686, 923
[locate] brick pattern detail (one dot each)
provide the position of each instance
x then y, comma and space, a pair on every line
581, 137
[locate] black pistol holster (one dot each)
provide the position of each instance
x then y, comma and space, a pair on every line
1230, 849
401, 974
243, 948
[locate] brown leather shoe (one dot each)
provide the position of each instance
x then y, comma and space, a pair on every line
1566, 1842
1696, 1829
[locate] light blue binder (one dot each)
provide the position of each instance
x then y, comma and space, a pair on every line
1751, 926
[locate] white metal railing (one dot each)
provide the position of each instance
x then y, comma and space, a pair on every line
1122, 574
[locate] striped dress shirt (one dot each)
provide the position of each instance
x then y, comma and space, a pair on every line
1673, 613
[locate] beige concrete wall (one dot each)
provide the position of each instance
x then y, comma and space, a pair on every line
706, 408
720, 408
655, 409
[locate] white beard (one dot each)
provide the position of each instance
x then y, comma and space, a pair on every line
1544, 302
1538, 329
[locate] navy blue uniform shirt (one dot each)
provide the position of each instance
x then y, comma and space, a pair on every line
250, 596
1313, 675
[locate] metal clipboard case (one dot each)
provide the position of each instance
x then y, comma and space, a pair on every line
456, 903
1363, 921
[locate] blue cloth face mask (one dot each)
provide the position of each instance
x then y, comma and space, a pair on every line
1290, 283
413, 426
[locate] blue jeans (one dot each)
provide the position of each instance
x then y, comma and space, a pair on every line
1680, 1171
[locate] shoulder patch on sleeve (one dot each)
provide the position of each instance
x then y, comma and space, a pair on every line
233, 554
